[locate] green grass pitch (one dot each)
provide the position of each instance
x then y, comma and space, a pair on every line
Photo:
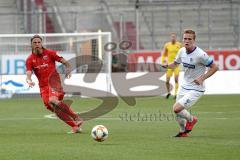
139, 132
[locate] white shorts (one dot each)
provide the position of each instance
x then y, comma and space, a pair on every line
188, 98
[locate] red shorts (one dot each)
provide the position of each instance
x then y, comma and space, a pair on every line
47, 92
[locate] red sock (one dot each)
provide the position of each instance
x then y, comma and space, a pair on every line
63, 116
68, 110
49, 107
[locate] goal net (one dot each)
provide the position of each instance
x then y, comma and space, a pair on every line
85, 51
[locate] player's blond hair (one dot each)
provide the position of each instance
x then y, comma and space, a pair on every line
37, 36
190, 31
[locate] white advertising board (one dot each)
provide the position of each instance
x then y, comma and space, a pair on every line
223, 82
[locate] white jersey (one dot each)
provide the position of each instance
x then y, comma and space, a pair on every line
194, 64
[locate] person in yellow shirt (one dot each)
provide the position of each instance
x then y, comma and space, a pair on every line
170, 51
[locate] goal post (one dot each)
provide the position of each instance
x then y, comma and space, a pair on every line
15, 48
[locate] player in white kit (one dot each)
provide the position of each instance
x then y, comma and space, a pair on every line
195, 62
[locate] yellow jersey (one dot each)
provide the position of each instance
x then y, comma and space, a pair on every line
170, 51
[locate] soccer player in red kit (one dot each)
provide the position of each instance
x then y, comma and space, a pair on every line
42, 63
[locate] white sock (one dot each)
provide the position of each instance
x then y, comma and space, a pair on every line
182, 123
185, 114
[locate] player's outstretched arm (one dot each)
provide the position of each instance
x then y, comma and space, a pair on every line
212, 69
164, 55
67, 67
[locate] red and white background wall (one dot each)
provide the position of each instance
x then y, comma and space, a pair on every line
225, 81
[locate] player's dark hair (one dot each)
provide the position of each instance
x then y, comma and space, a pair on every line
36, 36
189, 31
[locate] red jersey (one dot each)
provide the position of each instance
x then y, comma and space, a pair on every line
44, 66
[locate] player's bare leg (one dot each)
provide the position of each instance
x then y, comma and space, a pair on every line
182, 116
176, 86
168, 87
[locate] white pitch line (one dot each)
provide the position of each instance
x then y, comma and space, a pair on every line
17, 119
210, 112
52, 116
222, 118
45, 117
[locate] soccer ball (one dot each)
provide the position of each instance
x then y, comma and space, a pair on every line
99, 133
